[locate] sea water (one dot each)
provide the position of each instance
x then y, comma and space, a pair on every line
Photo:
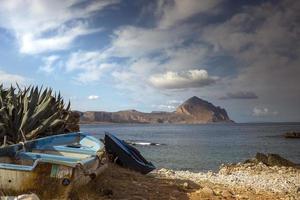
204, 147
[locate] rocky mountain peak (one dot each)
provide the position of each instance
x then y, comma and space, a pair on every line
196, 101
202, 110
192, 111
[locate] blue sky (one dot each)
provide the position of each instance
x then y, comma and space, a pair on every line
152, 55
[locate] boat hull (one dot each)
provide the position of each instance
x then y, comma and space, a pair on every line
48, 181
51, 172
126, 155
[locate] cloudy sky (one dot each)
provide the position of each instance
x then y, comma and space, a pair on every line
152, 55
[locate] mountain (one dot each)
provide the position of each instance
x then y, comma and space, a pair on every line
202, 111
192, 111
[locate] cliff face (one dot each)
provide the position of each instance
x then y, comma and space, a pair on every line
192, 111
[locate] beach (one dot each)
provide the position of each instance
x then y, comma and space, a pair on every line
240, 181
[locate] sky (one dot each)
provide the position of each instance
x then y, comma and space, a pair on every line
152, 55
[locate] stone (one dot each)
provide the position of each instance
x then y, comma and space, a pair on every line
260, 157
208, 191
292, 134
186, 185
28, 197
226, 194
275, 159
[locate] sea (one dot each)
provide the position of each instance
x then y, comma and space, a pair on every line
203, 147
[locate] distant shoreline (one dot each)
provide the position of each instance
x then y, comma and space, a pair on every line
141, 123
212, 123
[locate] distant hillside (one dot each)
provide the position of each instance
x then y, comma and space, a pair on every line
192, 111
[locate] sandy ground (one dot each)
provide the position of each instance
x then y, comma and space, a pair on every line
238, 182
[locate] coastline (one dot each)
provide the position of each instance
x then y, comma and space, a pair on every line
240, 181
152, 123
253, 179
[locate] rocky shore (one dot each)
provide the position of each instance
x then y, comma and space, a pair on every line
245, 181
249, 180
253, 179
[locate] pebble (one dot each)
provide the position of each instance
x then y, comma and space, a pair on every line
257, 177
226, 194
186, 185
27, 197
208, 191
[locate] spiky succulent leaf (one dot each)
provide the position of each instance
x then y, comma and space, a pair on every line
34, 111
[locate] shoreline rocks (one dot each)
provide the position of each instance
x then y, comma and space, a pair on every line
292, 135
271, 160
256, 177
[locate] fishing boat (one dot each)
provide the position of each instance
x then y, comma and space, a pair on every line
126, 155
51, 166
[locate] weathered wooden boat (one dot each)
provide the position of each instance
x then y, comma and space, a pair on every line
51, 166
126, 155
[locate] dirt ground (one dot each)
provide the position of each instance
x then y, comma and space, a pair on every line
119, 183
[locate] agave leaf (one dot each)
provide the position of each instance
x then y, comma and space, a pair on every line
68, 106
57, 122
44, 125
32, 110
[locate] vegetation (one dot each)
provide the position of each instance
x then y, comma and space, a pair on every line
31, 112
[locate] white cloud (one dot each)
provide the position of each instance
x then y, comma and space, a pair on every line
93, 97
264, 43
175, 102
89, 66
263, 112
32, 44
164, 107
7, 78
185, 57
41, 25
48, 63
186, 79
175, 11
135, 42
84, 60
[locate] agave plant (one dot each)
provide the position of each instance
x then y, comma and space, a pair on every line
31, 112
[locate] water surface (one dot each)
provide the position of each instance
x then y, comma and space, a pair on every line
205, 147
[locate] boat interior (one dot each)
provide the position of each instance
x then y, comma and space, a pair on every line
65, 149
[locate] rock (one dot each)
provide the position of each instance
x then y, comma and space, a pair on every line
207, 191
226, 193
260, 157
275, 159
175, 193
186, 185
28, 197
202, 110
241, 196
292, 134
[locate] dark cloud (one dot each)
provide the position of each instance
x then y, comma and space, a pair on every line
240, 95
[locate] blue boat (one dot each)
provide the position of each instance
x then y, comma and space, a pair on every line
51, 166
126, 155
